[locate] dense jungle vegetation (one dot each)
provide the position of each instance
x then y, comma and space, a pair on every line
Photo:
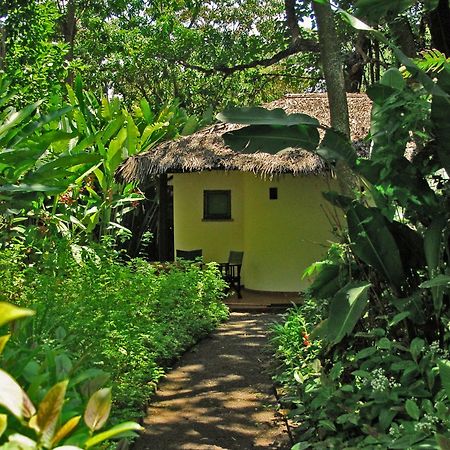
84, 84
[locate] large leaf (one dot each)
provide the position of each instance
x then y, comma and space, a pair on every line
264, 138
393, 78
29, 129
379, 93
432, 246
336, 147
67, 447
114, 152
15, 156
132, 136
9, 312
191, 126
114, 431
341, 201
37, 187
375, 10
147, 134
374, 244
327, 282
262, 116
444, 373
49, 411
438, 281
13, 398
346, 309
15, 118
62, 162
98, 409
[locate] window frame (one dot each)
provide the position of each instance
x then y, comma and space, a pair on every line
207, 194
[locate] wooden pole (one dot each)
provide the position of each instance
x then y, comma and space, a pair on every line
163, 223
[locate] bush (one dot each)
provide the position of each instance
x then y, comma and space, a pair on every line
376, 391
129, 320
57, 417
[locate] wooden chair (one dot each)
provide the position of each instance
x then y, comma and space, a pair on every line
231, 271
189, 255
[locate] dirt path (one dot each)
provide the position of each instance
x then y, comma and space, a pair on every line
219, 396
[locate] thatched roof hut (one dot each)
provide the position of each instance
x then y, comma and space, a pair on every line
206, 150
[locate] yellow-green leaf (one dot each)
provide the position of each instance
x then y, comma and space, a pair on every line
49, 411
32, 423
13, 398
9, 312
3, 423
114, 431
3, 341
66, 429
98, 409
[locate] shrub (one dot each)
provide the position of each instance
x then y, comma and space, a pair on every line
128, 320
57, 417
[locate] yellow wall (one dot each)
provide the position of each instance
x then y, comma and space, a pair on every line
280, 237
215, 238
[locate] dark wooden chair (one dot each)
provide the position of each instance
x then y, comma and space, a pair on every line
231, 271
189, 255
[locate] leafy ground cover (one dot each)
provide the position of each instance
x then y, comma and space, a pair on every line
97, 315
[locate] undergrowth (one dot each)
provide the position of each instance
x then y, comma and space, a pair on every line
129, 320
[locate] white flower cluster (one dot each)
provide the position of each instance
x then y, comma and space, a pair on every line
380, 381
396, 431
436, 350
427, 424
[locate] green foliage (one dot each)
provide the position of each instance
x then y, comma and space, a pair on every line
373, 393
129, 320
432, 61
57, 168
378, 377
25, 426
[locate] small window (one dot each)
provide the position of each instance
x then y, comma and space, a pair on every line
273, 193
216, 205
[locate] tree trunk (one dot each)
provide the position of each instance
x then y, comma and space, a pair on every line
440, 26
403, 36
330, 53
354, 64
163, 219
69, 30
334, 77
2, 46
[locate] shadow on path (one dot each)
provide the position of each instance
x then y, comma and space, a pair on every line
219, 396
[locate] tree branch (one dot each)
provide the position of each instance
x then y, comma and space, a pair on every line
300, 45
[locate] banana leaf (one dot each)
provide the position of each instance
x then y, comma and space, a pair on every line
346, 308
268, 139
262, 116
374, 244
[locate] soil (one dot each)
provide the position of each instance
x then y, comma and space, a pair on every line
220, 395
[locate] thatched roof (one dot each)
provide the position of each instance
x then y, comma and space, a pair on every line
206, 150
